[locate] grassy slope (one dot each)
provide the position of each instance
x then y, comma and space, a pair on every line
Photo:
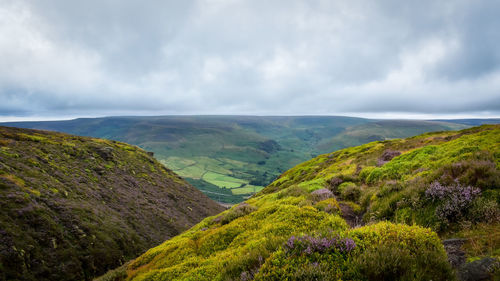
73, 207
248, 241
227, 156
383, 130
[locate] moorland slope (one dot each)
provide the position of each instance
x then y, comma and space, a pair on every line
73, 207
378, 211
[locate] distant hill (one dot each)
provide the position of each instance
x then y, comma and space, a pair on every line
378, 211
471, 122
232, 157
73, 207
384, 130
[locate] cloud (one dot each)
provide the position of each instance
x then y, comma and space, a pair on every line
107, 57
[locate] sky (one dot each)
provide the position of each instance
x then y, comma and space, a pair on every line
387, 58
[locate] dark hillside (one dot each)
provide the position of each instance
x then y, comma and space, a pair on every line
73, 207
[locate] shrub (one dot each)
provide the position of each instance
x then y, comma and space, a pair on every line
334, 182
308, 258
374, 175
484, 210
365, 172
308, 245
349, 191
280, 266
398, 252
383, 251
389, 187
480, 173
320, 194
453, 200
330, 206
366, 197
387, 156
354, 207
389, 261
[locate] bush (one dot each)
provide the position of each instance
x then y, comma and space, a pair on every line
480, 173
387, 156
389, 261
484, 210
280, 266
334, 182
307, 245
389, 187
365, 173
320, 195
383, 251
453, 200
398, 252
330, 206
349, 191
308, 258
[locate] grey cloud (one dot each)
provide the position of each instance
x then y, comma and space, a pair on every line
105, 57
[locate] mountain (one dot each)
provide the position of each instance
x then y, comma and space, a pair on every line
73, 207
232, 157
378, 211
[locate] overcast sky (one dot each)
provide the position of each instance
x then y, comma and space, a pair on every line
62, 58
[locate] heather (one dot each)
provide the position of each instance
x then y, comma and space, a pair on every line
453, 201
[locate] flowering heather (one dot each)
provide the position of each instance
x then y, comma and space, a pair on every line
454, 199
307, 245
321, 194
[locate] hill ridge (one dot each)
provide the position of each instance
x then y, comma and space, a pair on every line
73, 207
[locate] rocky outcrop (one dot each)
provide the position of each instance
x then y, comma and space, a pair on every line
479, 270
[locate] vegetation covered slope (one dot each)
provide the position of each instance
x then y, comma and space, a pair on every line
73, 207
297, 228
231, 157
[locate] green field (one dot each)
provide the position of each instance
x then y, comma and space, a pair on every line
223, 180
215, 172
225, 156
248, 189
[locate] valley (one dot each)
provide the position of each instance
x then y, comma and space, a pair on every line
230, 158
